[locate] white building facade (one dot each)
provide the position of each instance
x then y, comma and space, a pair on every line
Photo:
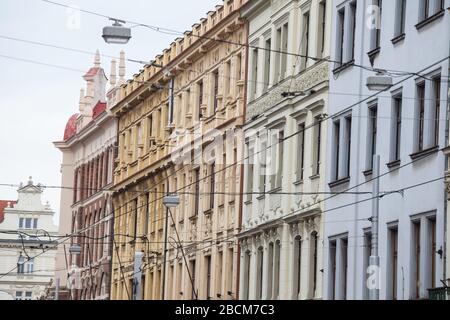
282, 233
407, 127
27, 246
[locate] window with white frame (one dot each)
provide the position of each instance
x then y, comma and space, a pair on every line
338, 268
396, 126
424, 247
345, 33
250, 167
317, 145
400, 18
304, 41
371, 134
297, 268
322, 28
267, 62
428, 8
254, 72
392, 262
427, 113
281, 51
341, 149
377, 12
300, 166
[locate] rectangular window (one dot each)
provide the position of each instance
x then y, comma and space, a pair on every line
35, 223
284, 49
400, 18
416, 258
192, 270
280, 158
135, 219
366, 262
267, 53
247, 274
254, 84
317, 144
340, 37
393, 263
212, 186
348, 143
437, 107
21, 223
305, 42
396, 127
376, 32
372, 136
18, 295
353, 30
322, 27
262, 166
250, 167
216, 90
28, 222
337, 148
420, 115
147, 213
197, 191
297, 267
208, 277
171, 99
338, 266
424, 9
200, 100
259, 274
300, 152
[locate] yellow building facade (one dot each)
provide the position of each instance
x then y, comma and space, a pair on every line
180, 131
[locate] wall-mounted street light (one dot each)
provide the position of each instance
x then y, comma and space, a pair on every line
75, 249
117, 33
379, 83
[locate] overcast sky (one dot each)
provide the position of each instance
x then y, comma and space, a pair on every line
37, 100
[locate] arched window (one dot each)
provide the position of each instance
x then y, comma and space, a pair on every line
314, 238
297, 276
259, 273
276, 271
270, 265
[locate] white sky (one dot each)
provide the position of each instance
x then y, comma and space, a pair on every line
36, 101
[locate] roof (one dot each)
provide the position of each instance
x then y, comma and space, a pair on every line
3, 205
99, 108
91, 72
71, 127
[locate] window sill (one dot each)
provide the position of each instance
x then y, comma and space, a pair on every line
423, 153
430, 19
368, 172
344, 66
374, 53
298, 182
261, 197
248, 202
398, 39
339, 182
314, 177
193, 218
208, 212
275, 190
393, 164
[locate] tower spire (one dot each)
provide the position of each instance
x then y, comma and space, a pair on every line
122, 66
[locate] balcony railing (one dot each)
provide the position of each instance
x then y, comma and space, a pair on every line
442, 293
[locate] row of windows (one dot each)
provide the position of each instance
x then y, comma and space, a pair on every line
425, 130
269, 289
346, 25
24, 295
423, 261
273, 56
28, 223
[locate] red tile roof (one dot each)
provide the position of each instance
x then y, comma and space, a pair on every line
99, 108
92, 72
3, 205
71, 127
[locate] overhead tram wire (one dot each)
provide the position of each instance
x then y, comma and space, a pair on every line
288, 137
233, 235
179, 33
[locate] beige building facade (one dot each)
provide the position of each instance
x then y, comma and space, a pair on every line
179, 131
